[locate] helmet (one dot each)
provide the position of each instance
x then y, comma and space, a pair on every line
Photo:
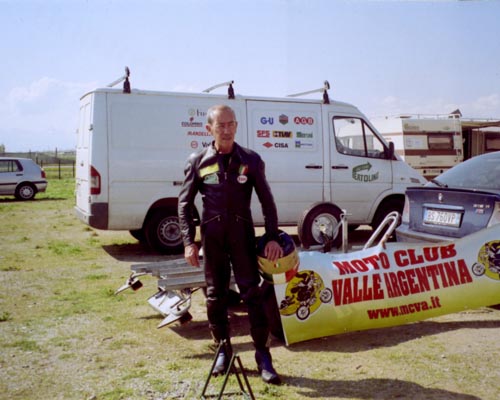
284, 268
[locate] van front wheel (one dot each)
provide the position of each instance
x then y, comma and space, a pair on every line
318, 223
163, 232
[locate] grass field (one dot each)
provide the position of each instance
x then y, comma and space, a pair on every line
65, 335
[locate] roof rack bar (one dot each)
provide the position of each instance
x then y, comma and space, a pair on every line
124, 79
324, 89
230, 90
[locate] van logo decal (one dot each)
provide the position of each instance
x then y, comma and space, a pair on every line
304, 135
191, 123
263, 133
267, 144
283, 119
265, 121
299, 144
283, 134
303, 120
364, 177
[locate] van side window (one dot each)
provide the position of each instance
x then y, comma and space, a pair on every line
354, 137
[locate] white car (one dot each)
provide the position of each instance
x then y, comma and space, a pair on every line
21, 177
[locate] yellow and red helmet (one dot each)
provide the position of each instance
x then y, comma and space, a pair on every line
284, 268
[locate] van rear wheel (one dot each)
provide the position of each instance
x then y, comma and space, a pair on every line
317, 222
163, 231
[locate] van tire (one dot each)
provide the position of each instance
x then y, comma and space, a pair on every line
385, 208
308, 227
163, 231
139, 235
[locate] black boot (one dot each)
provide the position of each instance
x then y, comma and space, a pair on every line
265, 366
223, 359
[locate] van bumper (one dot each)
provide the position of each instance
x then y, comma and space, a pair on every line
98, 216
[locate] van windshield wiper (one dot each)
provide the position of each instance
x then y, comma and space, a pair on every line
440, 184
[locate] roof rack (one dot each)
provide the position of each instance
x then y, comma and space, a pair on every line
230, 90
124, 79
324, 89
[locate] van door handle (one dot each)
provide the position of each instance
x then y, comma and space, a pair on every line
314, 166
340, 167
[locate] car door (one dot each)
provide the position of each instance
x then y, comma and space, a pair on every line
11, 172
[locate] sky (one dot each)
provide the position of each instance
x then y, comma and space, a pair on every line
386, 57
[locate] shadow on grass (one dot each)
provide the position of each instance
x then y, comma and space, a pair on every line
346, 343
387, 337
137, 253
8, 200
373, 388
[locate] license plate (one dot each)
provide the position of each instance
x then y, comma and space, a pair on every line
438, 217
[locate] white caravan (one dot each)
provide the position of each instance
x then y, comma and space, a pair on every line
431, 144
321, 158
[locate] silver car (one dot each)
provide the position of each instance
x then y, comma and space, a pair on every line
21, 177
460, 201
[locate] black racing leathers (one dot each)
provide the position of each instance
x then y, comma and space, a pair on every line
228, 236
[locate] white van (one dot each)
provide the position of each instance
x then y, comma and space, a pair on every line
321, 158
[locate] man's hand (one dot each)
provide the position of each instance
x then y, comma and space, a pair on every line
273, 251
191, 255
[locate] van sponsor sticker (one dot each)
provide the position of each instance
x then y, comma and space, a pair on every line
359, 174
304, 135
303, 120
283, 119
198, 133
283, 134
195, 112
263, 133
277, 145
300, 144
267, 120
191, 123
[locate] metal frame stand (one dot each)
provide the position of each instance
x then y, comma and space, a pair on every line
235, 367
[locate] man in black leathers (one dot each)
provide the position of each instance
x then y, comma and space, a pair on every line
225, 174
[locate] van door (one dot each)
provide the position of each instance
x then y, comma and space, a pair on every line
288, 138
360, 170
82, 180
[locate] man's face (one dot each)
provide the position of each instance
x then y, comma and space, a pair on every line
223, 129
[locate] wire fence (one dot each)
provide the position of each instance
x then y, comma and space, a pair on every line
59, 170
54, 165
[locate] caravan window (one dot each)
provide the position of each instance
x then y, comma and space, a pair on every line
354, 137
440, 141
492, 142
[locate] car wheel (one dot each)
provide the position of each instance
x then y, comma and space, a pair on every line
163, 231
25, 191
316, 222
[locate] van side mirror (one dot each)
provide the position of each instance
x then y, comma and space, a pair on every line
390, 151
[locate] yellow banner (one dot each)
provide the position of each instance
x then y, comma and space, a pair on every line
382, 287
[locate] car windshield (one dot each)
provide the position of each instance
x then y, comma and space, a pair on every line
482, 172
